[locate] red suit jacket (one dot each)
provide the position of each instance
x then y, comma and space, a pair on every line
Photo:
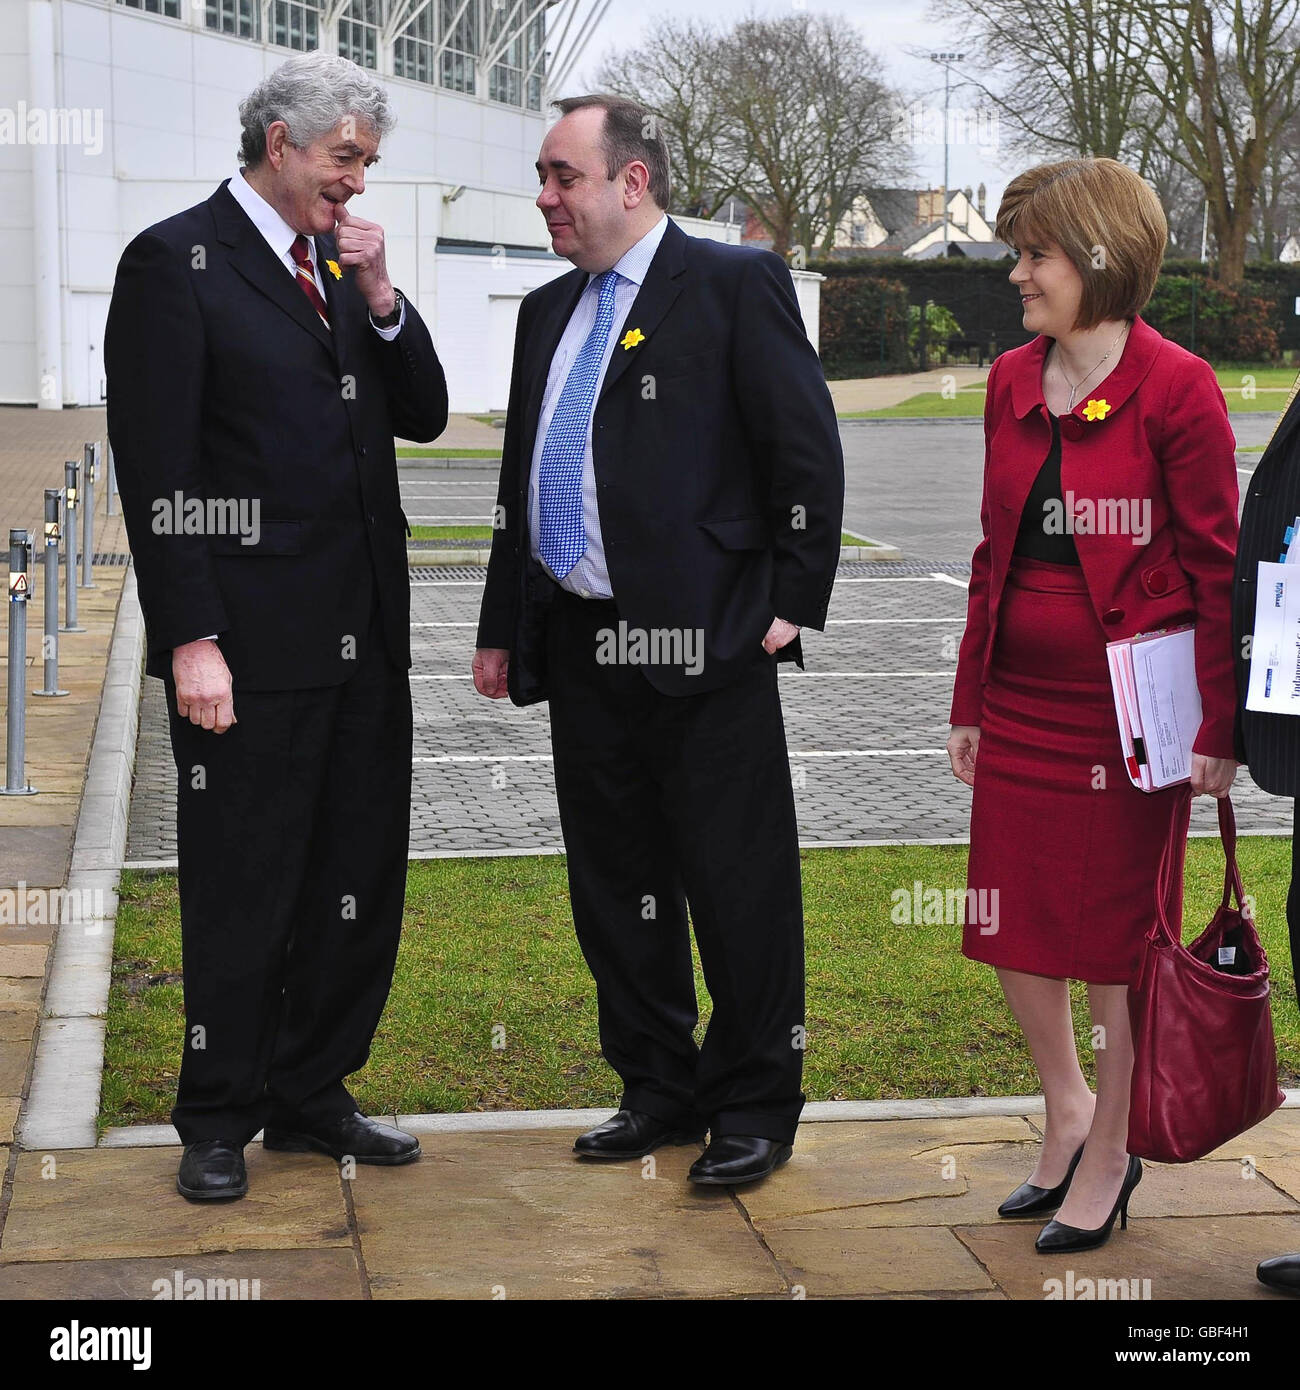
1158, 444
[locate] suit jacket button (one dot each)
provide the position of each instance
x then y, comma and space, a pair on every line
1157, 581
1112, 616
1071, 427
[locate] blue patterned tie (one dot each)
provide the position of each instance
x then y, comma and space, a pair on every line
561, 534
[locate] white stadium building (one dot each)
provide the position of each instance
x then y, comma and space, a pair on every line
114, 115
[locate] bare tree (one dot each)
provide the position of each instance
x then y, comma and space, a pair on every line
1205, 84
676, 72
792, 115
1279, 202
1063, 73
1227, 107
810, 127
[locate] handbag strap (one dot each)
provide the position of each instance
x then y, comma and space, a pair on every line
1164, 876
1231, 873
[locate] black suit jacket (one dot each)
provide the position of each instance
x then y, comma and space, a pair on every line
719, 472
223, 384
1269, 743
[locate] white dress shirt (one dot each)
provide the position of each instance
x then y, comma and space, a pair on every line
280, 236
589, 578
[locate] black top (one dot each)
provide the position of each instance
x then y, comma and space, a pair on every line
1042, 535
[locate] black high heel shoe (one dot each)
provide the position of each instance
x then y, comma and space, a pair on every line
1056, 1237
1028, 1200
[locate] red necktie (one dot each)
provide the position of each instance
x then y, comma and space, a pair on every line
305, 277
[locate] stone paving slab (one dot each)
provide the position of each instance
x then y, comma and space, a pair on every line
1282, 1171
331, 1274
1211, 1258
521, 1215
875, 1209
93, 1204
838, 1261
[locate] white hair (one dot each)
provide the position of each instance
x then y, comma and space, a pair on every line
311, 93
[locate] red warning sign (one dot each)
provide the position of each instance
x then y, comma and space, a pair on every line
17, 584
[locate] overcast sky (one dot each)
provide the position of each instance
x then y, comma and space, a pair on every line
889, 27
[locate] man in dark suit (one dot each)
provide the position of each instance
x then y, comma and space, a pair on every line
1270, 743
671, 495
259, 362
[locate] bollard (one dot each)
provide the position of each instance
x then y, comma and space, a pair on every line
112, 484
50, 638
16, 732
70, 542
89, 472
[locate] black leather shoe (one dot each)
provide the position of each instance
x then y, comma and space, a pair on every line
631, 1134
736, 1158
212, 1171
1281, 1272
1028, 1200
354, 1136
1058, 1238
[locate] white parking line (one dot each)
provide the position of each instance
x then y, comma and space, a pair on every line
883, 579
793, 752
785, 675
832, 622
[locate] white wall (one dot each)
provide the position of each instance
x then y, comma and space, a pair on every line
167, 93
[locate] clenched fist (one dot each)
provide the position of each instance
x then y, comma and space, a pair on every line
361, 245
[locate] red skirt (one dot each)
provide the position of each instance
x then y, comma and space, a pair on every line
1064, 850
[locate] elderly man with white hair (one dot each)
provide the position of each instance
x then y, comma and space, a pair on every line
259, 363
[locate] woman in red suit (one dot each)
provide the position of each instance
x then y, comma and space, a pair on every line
1109, 508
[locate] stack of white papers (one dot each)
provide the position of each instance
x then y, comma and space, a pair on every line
1274, 686
1157, 704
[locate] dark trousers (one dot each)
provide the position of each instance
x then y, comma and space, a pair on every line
663, 802
292, 832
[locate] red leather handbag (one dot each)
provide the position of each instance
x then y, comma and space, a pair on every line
1204, 1059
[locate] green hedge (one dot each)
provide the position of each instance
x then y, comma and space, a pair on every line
864, 327
1253, 322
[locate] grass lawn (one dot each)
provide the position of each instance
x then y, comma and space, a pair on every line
484, 533
451, 533
893, 1011
427, 451
1270, 383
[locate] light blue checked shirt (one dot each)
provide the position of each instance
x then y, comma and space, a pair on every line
589, 578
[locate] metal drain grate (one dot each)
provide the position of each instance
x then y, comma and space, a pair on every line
459, 572
863, 569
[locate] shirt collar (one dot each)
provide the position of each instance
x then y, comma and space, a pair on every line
279, 234
635, 261
1139, 352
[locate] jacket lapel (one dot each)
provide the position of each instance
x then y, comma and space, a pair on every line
660, 288
662, 285
1135, 360
336, 300
254, 260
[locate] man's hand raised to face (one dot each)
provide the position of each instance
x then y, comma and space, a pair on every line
203, 686
361, 245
